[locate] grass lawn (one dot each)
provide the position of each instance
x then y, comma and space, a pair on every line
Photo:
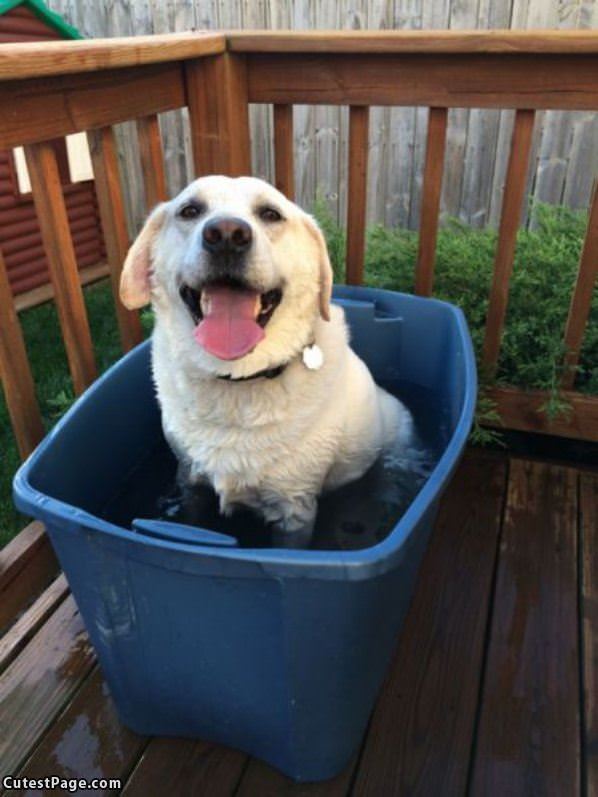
532, 352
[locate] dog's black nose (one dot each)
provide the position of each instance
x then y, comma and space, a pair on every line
226, 235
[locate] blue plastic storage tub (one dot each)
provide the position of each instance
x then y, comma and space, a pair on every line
277, 652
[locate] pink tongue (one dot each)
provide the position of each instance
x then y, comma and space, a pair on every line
229, 329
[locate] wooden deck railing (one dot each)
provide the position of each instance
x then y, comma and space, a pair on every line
60, 88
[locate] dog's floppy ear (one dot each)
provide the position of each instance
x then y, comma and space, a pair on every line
326, 275
135, 276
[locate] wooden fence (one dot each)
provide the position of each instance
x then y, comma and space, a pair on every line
564, 152
56, 89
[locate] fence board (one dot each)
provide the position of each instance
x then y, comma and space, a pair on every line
397, 137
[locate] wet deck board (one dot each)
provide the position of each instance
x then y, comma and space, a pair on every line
35, 687
528, 740
484, 694
261, 780
427, 750
184, 766
87, 740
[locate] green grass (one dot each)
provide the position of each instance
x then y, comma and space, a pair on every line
53, 385
544, 274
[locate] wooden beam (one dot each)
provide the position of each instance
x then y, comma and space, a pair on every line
216, 91
581, 301
26, 60
15, 373
524, 411
62, 263
46, 108
44, 293
463, 42
102, 147
442, 81
359, 118
512, 204
430, 208
284, 168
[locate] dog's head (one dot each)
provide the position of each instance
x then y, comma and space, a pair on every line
237, 272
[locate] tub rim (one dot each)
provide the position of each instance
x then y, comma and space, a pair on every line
329, 565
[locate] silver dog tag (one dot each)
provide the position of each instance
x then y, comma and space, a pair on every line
313, 357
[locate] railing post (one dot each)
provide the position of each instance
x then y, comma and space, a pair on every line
283, 150
15, 373
152, 160
102, 147
521, 143
581, 301
432, 188
216, 89
58, 245
359, 117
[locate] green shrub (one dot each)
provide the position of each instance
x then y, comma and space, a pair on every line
544, 273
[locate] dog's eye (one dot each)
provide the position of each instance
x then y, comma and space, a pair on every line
269, 214
191, 210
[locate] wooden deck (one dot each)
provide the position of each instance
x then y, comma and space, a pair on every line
492, 689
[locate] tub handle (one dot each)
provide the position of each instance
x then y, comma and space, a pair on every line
180, 532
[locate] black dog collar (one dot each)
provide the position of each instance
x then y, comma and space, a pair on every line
272, 373
267, 373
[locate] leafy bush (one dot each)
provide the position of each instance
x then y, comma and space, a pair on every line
544, 273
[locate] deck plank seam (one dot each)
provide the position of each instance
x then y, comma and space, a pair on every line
242, 775
487, 632
28, 634
583, 769
128, 776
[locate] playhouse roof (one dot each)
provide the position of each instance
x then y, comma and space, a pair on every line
42, 11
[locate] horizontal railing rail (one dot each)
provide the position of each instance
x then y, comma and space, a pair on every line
56, 89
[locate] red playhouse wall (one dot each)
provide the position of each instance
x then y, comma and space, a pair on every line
20, 237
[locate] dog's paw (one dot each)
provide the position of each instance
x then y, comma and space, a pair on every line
292, 521
291, 539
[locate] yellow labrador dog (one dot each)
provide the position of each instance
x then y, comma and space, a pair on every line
261, 395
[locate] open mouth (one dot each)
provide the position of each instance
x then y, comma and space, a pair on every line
229, 315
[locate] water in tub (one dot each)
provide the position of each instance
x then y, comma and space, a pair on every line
357, 515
